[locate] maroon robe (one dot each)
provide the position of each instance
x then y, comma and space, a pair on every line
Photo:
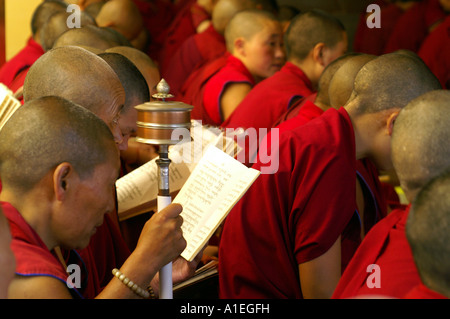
270, 98
157, 16
413, 26
183, 26
32, 255
194, 87
22, 60
234, 71
373, 40
423, 292
386, 246
195, 51
435, 52
283, 220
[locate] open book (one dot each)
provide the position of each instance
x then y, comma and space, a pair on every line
8, 104
217, 183
138, 190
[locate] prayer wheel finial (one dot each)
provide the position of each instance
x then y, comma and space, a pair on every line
163, 90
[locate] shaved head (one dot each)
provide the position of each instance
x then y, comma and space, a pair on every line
49, 131
133, 82
88, 36
391, 81
122, 16
57, 25
420, 148
142, 61
43, 12
309, 29
224, 10
246, 24
136, 92
72, 73
341, 85
427, 231
80, 76
328, 73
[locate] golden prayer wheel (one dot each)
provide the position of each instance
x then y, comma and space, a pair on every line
158, 119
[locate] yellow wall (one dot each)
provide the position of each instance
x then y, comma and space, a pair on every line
17, 24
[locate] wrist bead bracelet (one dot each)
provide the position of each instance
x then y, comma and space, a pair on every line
146, 294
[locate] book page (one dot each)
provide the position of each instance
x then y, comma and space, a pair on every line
8, 104
211, 191
137, 191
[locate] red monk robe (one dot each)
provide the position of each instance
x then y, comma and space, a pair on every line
413, 26
375, 202
196, 51
386, 246
283, 220
423, 292
270, 98
373, 40
435, 52
194, 87
304, 111
22, 60
300, 113
182, 27
233, 72
157, 16
33, 257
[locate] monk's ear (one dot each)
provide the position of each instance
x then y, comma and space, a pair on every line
318, 53
390, 122
239, 46
62, 180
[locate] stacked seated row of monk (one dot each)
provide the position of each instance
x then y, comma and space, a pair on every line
323, 224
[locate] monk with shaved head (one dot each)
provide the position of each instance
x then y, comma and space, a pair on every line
297, 215
418, 155
56, 191
312, 41
254, 43
58, 72
136, 93
103, 94
370, 197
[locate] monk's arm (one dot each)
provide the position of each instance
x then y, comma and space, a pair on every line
319, 277
37, 287
232, 97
